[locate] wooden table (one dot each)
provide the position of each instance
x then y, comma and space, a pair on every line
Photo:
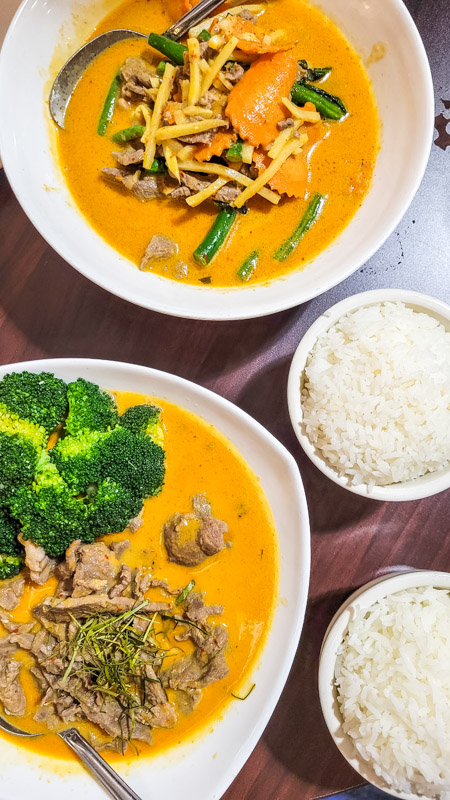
49, 310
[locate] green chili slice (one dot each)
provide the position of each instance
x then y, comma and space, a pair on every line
328, 105
109, 105
310, 216
234, 152
184, 593
247, 269
128, 134
216, 236
174, 51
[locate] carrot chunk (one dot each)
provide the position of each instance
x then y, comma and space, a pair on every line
222, 141
291, 178
254, 105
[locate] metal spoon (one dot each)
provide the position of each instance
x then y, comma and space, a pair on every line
73, 69
105, 775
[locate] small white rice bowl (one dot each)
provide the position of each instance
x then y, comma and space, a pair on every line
376, 395
392, 681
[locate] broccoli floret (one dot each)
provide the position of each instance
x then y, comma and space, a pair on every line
112, 508
11, 552
49, 513
133, 460
144, 419
77, 459
90, 408
18, 463
40, 398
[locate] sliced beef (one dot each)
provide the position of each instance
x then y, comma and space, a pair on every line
11, 593
228, 193
11, 692
190, 672
130, 155
190, 538
136, 75
123, 582
119, 548
7, 648
158, 248
285, 123
187, 700
48, 716
136, 523
141, 582
207, 100
234, 72
149, 187
37, 561
62, 610
196, 611
246, 14
180, 193
194, 182
114, 175
95, 571
205, 137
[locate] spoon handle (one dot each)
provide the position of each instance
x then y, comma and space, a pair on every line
193, 17
105, 775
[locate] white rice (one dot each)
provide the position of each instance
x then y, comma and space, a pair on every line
393, 685
376, 395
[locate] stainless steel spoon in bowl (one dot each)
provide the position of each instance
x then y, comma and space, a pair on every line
73, 69
105, 775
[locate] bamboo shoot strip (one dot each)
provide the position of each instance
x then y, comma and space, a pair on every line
310, 216
216, 236
172, 50
328, 105
128, 134
247, 269
109, 105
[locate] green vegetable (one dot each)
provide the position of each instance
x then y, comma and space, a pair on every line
327, 105
92, 482
144, 419
314, 73
11, 552
238, 696
216, 236
90, 409
161, 68
50, 514
247, 269
157, 168
311, 214
174, 51
204, 36
109, 105
234, 152
128, 134
40, 398
184, 593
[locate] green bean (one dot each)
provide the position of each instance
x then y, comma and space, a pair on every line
204, 36
174, 51
161, 68
326, 104
234, 153
247, 269
157, 168
310, 216
216, 236
313, 73
109, 105
128, 134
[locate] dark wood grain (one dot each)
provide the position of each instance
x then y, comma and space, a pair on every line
49, 310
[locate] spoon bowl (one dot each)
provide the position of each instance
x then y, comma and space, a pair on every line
100, 769
68, 77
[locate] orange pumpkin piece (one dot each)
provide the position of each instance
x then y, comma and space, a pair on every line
222, 141
254, 105
291, 178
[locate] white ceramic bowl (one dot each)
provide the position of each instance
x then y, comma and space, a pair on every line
429, 484
201, 770
363, 598
404, 92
